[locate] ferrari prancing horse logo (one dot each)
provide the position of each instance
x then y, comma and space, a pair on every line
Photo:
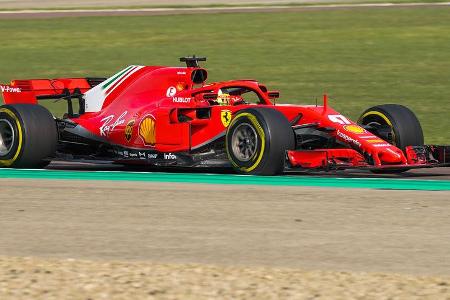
225, 116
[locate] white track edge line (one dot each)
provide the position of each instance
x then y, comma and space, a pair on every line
237, 8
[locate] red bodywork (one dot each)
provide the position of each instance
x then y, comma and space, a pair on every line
141, 101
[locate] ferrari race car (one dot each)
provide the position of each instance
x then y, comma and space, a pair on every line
170, 116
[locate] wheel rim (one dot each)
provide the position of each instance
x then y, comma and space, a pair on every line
390, 140
7, 137
374, 124
244, 142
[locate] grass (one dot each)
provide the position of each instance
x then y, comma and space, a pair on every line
360, 57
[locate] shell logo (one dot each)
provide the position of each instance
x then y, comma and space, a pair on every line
354, 129
147, 130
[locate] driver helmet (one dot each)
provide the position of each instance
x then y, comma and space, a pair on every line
222, 98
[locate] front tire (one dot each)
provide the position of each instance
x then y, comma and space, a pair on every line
28, 136
405, 126
257, 140
405, 129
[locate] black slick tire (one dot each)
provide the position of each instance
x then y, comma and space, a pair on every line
406, 128
267, 133
28, 136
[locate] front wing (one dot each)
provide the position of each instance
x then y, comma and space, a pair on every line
427, 156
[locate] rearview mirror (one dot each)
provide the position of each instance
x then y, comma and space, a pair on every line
273, 94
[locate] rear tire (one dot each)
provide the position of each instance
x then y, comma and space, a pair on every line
257, 140
28, 136
406, 128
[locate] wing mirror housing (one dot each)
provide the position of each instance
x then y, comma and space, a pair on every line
273, 94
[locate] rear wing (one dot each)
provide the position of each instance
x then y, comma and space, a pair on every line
30, 91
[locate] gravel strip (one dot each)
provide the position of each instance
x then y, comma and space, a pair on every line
33, 278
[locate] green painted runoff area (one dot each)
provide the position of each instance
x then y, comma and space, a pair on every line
203, 178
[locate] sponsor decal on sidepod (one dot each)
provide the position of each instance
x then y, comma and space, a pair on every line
109, 125
170, 156
129, 130
181, 99
147, 130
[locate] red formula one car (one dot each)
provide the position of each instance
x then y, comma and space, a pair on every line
170, 116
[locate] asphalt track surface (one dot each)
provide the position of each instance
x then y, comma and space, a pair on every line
45, 14
295, 227
168, 221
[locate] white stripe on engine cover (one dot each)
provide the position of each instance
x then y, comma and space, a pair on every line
95, 97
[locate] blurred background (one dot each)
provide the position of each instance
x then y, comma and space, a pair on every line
15, 4
360, 56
